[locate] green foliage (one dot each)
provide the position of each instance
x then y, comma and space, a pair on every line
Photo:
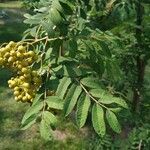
81, 56
138, 139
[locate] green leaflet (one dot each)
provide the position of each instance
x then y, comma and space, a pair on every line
97, 92
48, 27
29, 122
56, 5
35, 19
50, 119
71, 99
115, 110
63, 86
73, 46
31, 21
113, 121
37, 98
113, 70
98, 119
107, 98
105, 48
54, 102
66, 7
83, 105
33, 31
55, 16
90, 82
34, 109
120, 102
45, 130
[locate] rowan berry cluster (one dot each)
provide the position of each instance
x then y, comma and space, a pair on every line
27, 81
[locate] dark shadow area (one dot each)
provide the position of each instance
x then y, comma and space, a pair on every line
5, 75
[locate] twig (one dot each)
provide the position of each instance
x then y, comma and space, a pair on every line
91, 95
38, 30
140, 145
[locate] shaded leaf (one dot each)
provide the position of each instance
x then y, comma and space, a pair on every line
73, 48
55, 16
66, 8
105, 48
113, 121
120, 102
116, 110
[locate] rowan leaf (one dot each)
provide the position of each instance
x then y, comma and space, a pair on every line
49, 118
62, 87
83, 105
34, 109
71, 100
29, 122
98, 120
45, 130
113, 121
54, 102
91, 82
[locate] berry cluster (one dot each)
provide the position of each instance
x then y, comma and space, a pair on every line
27, 81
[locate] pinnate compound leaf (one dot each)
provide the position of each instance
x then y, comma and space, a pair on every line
83, 105
71, 100
54, 102
98, 119
113, 121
